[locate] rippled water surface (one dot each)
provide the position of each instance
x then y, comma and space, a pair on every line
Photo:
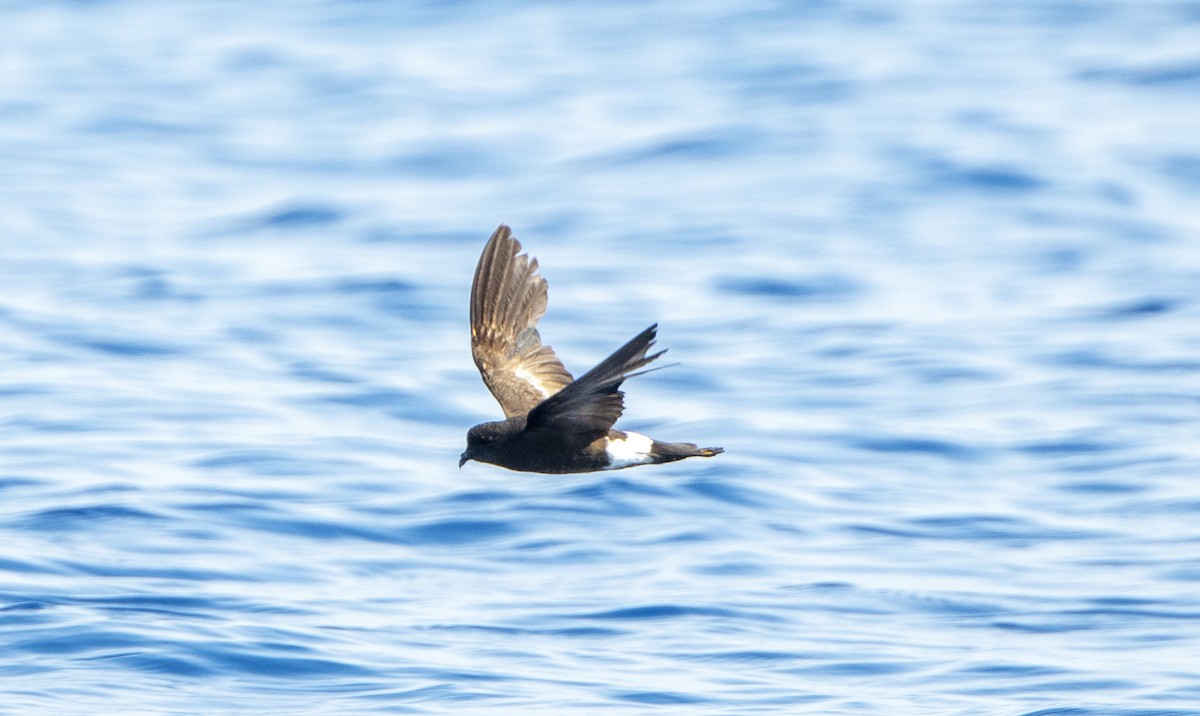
931, 272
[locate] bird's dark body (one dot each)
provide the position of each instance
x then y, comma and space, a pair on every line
507, 443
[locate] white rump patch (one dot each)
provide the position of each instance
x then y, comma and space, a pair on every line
633, 450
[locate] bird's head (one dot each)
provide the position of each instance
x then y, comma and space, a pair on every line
481, 441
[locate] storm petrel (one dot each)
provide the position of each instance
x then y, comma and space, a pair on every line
553, 423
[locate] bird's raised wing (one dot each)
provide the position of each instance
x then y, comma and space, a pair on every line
585, 410
507, 299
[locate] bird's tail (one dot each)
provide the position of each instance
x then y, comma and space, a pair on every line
668, 452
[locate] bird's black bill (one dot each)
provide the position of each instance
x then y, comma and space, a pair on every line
462, 460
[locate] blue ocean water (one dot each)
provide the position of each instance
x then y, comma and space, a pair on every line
931, 272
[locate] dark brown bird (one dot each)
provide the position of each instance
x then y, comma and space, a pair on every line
553, 423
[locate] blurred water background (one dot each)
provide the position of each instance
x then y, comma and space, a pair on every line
931, 270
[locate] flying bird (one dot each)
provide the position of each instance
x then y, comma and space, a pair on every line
553, 423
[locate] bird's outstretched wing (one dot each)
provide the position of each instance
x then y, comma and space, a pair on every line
507, 299
585, 410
